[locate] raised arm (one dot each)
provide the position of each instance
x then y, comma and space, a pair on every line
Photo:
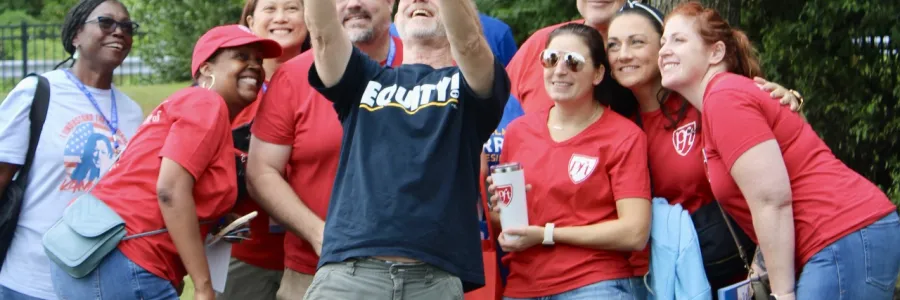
467, 44
331, 46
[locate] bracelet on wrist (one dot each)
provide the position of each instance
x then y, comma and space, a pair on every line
781, 296
799, 98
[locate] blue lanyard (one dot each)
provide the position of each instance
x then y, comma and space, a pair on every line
113, 123
265, 87
392, 50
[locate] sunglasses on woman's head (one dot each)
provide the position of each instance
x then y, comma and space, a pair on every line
109, 25
574, 61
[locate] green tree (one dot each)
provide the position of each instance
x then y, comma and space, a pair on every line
526, 17
54, 11
32, 7
729, 9
169, 30
852, 85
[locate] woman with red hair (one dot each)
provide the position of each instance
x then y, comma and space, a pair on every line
811, 215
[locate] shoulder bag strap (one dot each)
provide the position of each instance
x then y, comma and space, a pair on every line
737, 242
37, 116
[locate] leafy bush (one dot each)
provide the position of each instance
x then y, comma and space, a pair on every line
16, 17
852, 88
171, 28
527, 17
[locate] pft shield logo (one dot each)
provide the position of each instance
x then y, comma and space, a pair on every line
504, 195
580, 167
683, 138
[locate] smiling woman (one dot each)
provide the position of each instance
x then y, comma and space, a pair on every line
810, 214
90, 121
257, 267
589, 176
179, 170
280, 21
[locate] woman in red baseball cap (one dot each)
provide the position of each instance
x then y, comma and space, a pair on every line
177, 174
258, 264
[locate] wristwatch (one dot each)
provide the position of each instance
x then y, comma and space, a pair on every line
548, 234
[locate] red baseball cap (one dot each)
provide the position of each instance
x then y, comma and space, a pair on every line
227, 36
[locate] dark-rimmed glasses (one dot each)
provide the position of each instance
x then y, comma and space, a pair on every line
109, 25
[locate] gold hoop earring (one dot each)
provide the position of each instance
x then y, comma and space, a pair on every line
212, 83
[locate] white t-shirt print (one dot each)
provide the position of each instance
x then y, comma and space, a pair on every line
75, 148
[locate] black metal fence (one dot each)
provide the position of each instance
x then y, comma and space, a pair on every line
37, 48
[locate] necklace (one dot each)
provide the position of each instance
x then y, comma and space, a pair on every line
591, 119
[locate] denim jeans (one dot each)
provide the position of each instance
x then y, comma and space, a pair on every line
631, 288
9, 294
117, 277
861, 265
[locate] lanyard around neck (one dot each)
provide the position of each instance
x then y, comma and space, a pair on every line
392, 51
112, 123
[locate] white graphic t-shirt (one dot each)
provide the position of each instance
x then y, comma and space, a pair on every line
75, 148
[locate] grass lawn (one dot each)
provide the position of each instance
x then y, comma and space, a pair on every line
188, 293
148, 96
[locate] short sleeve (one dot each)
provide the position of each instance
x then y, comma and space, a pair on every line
629, 174
488, 111
518, 66
274, 122
15, 122
349, 89
199, 125
736, 123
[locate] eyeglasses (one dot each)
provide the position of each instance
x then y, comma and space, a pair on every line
109, 25
574, 61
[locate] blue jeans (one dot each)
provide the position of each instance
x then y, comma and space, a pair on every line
861, 265
8, 294
117, 277
631, 288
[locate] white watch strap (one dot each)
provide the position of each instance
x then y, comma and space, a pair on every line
548, 234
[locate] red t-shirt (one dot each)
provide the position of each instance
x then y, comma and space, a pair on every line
574, 183
676, 155
829, 199
526, 74
527, 85
293, 113
191, 128
265, 249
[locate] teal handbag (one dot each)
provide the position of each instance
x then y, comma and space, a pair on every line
87, 232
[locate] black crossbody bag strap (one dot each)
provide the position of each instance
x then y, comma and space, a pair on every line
38, 115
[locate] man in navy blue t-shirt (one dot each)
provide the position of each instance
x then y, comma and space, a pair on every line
403, 214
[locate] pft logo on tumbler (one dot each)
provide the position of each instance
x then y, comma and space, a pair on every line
510, 188
504, 193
